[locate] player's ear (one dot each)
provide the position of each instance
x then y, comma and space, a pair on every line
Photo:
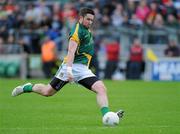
80, 18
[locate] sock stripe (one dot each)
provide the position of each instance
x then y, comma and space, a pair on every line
104, 110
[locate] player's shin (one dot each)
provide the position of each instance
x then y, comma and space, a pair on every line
103, 103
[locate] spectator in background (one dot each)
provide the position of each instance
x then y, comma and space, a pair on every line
135, 65
69, 15
152, 13
158, 22
80, 4
41, 11
172, 49
142, 10
117, 16
49, 56
26, 51
35, 41
172, 22
159, 26
105, 22
25, 46
3, 26
10, 39
54, 32
135, 22
131, 8
167, 7
29, 14
12, 48
112, 51
57, 10
126, 22
10, 7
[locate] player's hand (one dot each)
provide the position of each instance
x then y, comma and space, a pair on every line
70, 74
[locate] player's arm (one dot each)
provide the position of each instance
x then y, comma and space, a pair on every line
70, 58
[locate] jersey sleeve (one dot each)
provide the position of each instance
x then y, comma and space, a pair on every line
74, 34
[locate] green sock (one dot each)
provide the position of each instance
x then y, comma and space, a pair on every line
104, 110
28, 88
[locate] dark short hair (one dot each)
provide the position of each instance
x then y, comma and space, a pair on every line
84, 11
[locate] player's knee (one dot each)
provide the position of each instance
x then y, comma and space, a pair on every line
101, 89
48, 92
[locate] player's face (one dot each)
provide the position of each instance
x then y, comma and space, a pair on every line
88, 20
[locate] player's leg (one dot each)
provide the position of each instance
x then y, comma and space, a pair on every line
94, 84
45, 90
101, 96
48, 90
42, 89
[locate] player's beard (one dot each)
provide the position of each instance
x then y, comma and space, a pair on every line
86, 24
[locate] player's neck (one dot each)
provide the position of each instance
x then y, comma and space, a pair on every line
83, 25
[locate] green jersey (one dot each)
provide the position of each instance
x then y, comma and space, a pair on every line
84, 39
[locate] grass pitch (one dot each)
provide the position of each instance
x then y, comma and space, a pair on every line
150, 108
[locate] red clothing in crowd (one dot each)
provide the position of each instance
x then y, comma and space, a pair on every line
136, 53
166, 1
10, 8
113, 50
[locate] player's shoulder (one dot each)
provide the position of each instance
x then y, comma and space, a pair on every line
75, 28
79, 30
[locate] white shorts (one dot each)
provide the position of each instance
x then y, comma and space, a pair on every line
79, 71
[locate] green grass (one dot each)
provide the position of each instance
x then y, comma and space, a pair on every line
150, 108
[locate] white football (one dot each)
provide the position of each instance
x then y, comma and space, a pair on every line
110, 119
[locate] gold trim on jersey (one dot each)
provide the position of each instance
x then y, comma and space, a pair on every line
65, 59
75, 36
88, 57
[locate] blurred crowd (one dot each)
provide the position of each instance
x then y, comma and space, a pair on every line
26, 23
42, 27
